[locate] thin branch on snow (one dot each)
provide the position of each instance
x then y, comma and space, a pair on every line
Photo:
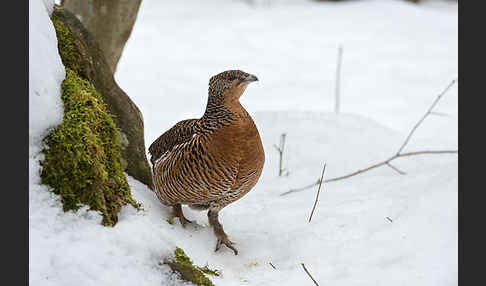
281, 148
425, 115
396, 169
397, 155
301, 189
338, 80
386, 162
306, 271
318, 191
272, 265
439, 113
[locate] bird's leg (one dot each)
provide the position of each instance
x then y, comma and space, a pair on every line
219, 232
177, 211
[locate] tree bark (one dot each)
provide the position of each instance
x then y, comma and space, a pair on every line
109, 21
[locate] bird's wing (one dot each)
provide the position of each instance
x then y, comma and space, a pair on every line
180, 133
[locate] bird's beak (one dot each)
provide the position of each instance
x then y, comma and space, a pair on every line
250, 78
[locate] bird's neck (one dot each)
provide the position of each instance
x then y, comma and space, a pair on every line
220, 109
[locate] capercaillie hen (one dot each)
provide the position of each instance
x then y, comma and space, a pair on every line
210, 162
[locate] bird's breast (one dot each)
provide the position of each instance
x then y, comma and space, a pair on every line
248, 145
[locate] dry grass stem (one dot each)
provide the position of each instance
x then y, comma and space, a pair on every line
281, 148
318, 192
306, 271
338, 80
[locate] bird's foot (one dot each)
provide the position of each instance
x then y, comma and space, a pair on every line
219, 232
224, 240
184, 221
177, 212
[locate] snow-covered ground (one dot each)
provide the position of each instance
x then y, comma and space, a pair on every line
397, 58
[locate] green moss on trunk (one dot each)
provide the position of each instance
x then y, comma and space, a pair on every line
189, 272
70, 56
82, 158
81, 53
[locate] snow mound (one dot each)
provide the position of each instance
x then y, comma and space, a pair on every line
349, 237
46, 110
46, 73
314, 138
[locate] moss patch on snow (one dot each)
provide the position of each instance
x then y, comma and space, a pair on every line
170, 220
188, 271
83, 154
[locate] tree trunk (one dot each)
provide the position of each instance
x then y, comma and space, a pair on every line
81, 53
109, 21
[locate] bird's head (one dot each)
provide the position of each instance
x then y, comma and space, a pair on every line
230, 85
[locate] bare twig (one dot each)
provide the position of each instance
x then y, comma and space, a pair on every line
389, 219
428, 152
281, 149
272, 265
338, 80
398, 154
425, 115
370, 168
318, 191
301, 189
396, 169
439, 113
389, 160
306, 271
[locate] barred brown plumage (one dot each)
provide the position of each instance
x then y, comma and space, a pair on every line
210, 162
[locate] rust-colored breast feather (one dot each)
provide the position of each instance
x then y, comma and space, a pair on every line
207, 168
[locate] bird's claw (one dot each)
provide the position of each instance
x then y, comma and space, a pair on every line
184, 221
177, 212
227, 242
